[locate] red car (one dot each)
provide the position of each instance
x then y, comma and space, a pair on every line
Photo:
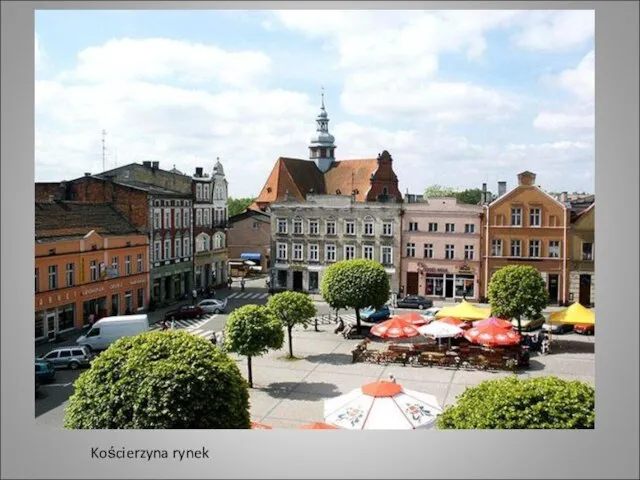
585, 329
184, 312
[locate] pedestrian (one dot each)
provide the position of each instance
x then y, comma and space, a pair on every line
214, 338
92, 319
173, 324
194, 294
165, 325
229, 282
242, 284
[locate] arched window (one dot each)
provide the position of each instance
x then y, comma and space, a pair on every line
198, 191
218, 241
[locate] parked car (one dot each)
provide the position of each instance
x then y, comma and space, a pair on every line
213, 305
430, 313
45, 371
372, 315
69, 357
109, 329
529, 324
415, 301
557, 328
184, 312
585, 329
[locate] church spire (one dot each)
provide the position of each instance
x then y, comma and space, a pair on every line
322, 147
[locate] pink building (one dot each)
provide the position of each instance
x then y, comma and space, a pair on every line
441, 249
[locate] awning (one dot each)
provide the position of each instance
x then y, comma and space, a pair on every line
250, 256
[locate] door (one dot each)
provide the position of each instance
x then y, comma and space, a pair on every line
553, 288
52, 326
297, 281
585, 290
412, 283
448, 288
115, 305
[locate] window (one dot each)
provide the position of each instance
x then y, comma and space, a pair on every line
449, 252
587, 251
387, 229
331, 227
349, 252
553, 221
469, 228
281, 251
297, 227
411, 249
256, 225
516, 217
349, 227
313, 253
198, 217
141, 298
205, 191
93, 269
167, 248
167, 218
187, 219
515, 248
499, 220
450, 227
368, 228
70, 274
127, 265
413, 226
139, 265
157, 250
199, 191
157, 219
554, 249
218, 241
534, 248
177, 218
298, 252
128, 300
534, 217
37, 280
186, 247
313, 281
115, 263
53, 276
330, 252
433, 227
313, 227
386, 255
178, 247
428, 250
468, 252
496, 248
65, 353
367, 252
282, 226
206, 217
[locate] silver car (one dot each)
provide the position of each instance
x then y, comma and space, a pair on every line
213, 305
69, 357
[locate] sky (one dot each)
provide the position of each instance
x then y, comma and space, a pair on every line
459, 98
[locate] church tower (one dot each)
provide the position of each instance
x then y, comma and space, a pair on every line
322, 147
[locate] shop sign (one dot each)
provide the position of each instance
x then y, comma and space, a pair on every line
115, 285
436, 270
93, 290
465, 269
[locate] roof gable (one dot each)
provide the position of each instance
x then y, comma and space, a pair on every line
348, 176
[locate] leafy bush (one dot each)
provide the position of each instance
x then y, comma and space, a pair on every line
511, 403
355, 284
292, 308
160, 380
252, 331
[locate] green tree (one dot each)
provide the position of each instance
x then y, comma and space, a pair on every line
252, 331
511, 403
472, 196
517, 291
160, 380
238, 205
355, 284
292, 308
438, 191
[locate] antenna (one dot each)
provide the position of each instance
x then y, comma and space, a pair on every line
104, 149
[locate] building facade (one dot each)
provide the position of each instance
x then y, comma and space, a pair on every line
441, 249
527, 226
308, 236
249, 238
89, 259
210, 215
582, 275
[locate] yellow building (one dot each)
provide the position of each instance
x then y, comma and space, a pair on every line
582, 257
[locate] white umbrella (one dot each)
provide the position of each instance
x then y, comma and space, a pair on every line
249, 262
382, 406
438, 329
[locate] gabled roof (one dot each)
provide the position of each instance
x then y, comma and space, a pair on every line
580, 212
347, 176
500, 199
249, 213
69, 219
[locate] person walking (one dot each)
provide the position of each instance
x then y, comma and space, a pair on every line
229, 282
194, 294
173, 324
242, 284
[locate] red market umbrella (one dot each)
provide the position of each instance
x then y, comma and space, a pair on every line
395, 328
498, 322
492, 335
318, 426
413, 318
260, 426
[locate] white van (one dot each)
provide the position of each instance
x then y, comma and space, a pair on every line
109, 329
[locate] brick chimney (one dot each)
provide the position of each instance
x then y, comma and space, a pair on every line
199, 172
155, 165
563, 197
502, 188
147, 164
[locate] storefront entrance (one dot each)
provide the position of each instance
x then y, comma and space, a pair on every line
585, 290
52, 325
553, 288
450, 286
412, 283
297, 281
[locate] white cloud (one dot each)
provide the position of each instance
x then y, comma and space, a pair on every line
162, 59
580, 81
556, 30
553, 121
